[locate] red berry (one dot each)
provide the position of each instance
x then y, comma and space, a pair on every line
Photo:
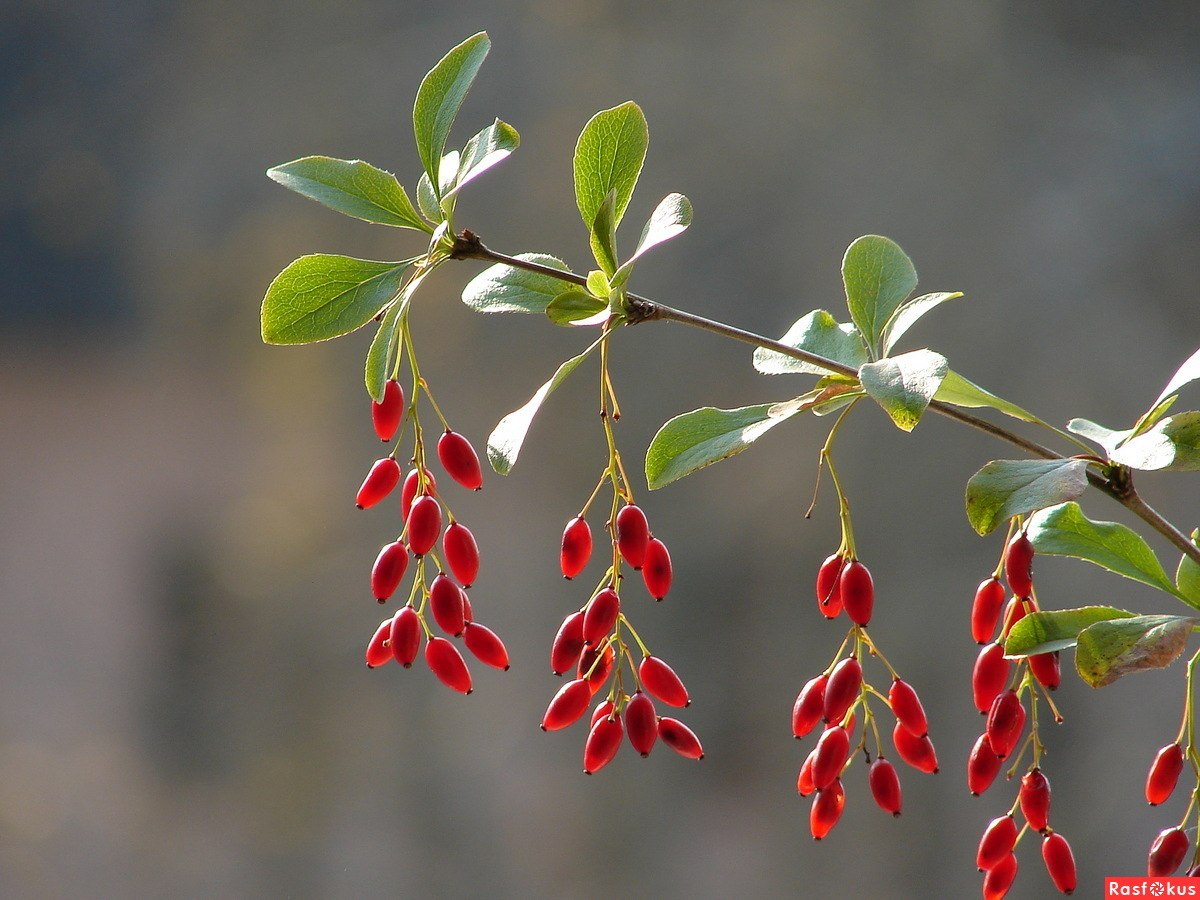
989, 676
1000, 877
462, 553
1060, 862
600, 615
885, 785
405, 636
680, 738
804, 781
641, 723
1164, 774
656, 569
845, 684
858, 592
446, 604
1018, 565
568, 705
576, 547
660, 680
380, 481
1005, 721
633, 534
918, 752
459, 460
1046, 669
468, 615
447, 664
1016, 610
486, 646
826, 809
833, 749
386, 415
1167, 853
809, 708
997, 842
388, 571
603, 742
568, 643
983, 765
1035, 799
907, 708
424, 524
603, 708
829, 594
408, 491
379, 652
596, 667
985, 611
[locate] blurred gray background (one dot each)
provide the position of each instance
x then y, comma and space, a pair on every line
183, 576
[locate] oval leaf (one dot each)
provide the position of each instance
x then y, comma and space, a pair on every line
958, 391
1108, 650
379, 354
1173, 443
574, 306
670, 218
907, 314
609, 157
506, 289
1012, 487
1045, 632
817, 332
903, 385
1187, 577
1188, 372
1098, 434
483, 151
441, 94
878, 275
352, 187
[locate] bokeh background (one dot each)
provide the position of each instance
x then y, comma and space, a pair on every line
183, 576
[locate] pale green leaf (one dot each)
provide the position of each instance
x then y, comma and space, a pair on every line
1108, 650
1187, 577
878, 276
903, 385
1188, 372
441, 94
1046, 632
1107, 438
604, 235
609, 157
958, 391
1173, 443
483, 151
352, 187
1152, 415
817, 332
504, 288
427, 200
597, 283
907, 314
670, 218
574, 305
381, 351
1013, 487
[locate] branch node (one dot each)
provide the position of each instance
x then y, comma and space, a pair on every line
466, 245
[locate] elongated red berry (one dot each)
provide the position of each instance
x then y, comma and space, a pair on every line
459, 460
380, 481
603, 742
603, 708
1018, 565
596, 667
656, 569
918, 752
833, 749
576, 547
447, 664
1167, 853
446, 604
1046, 669
907, 708
1060, 862
379, 652
1164, 774
660, 681
485, 645
885, 785
1005, 722
829, 594
468, 615
1035, 799
858, 592
405, 637
989, 676
983, 765
568, 643
388, 571
809, 707
600, 615
412, 484
386, 415
641, 723
1000, 877
804, 781
1017, 609
424, 524
826, 809
845, 684
985, 611
997, 842
568, 705
633, 534
462, 553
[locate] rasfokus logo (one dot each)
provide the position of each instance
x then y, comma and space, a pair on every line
1151, 887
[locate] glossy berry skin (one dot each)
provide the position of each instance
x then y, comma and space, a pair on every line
633, 534
1018, 565
568, 705
679, 738
603, 742
1000, 877
845, 684
829, 594
603, 667
804, 781
997, 842
408, 490
1060, 862
983, 765
568, 643
460, 461
656, 569
1035, 799
1046, 669
486, 646
405, 636
603, 708
388, 571
918, 752
641, 723
1167, 853
906, 706
386, 415
446, 604
576, 547
826, 809
447, 664
809, 707
1164, 774
858, 592
989, 676
985, 611
600, 616
660, 681
833, 749
1005, 721
885, 785
380, 481
378, 651
462, 553
424, 524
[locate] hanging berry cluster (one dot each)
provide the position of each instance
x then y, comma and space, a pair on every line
1170, 848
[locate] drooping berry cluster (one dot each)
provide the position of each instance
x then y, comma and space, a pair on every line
1170, 847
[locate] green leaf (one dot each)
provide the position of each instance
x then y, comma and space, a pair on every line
907, 314
1107, 438
1187, 577
1108, 650
504, 444
817, 332
609, 157
1173, 443
381, 351
670, 218
323, 296
878, 275
573, 306
482, 152
1152, 415
441, 94
1012, 487
1065, 531
903, 385
352, 187
1045, 632
704, 436
958, 391
597, 283
1188, 372
427, 200
503, 288
604, 235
